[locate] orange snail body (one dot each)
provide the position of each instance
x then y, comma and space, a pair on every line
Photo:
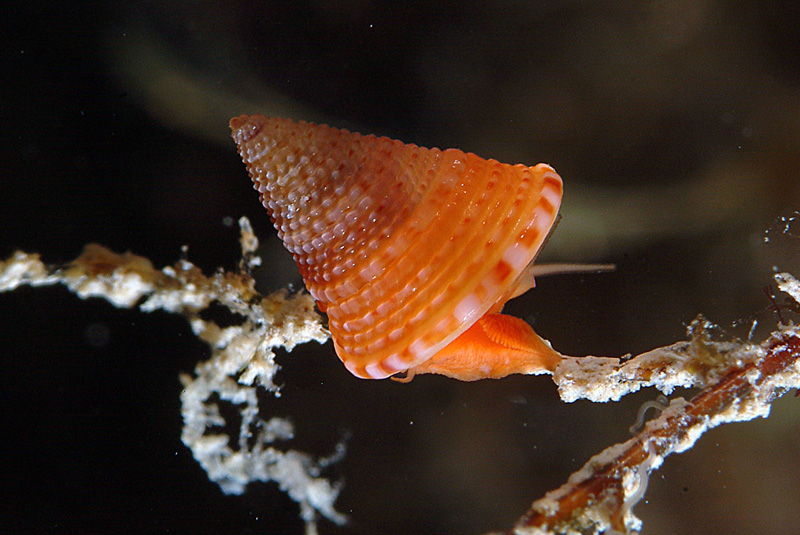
411, 252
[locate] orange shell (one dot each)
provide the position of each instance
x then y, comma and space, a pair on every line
403, 247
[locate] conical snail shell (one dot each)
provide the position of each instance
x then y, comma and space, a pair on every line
403, 247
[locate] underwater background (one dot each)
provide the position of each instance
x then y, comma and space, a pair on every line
674, 124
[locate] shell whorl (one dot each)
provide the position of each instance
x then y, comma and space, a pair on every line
403, 247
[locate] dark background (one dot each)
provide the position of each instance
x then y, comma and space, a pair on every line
676, 128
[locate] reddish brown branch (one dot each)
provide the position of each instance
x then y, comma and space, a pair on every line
600, 495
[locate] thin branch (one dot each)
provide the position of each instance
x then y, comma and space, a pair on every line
242, 360
599, 497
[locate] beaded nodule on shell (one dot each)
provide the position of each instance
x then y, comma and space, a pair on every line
405, 248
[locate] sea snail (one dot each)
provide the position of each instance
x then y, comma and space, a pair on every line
411, 252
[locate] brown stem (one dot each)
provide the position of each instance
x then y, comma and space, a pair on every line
598, 490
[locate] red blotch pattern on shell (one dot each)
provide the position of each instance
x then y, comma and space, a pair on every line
402, 246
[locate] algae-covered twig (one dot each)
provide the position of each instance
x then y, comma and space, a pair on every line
740, 381
242, 359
